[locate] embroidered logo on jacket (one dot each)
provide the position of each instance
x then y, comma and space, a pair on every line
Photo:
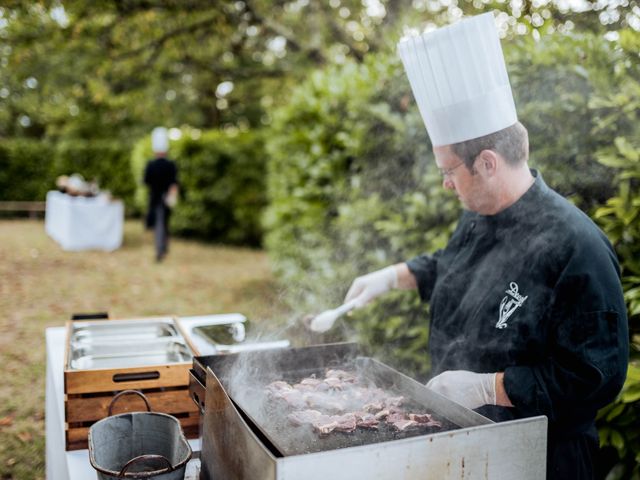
509, 304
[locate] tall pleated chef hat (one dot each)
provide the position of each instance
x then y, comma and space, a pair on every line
459, 79
160, 140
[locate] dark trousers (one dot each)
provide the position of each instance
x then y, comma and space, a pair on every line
161, 231
572, 458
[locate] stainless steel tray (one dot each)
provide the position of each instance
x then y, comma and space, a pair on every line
129, 355
233, 338
125, 343
108, 332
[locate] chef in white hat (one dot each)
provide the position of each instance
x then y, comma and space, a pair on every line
527, 312
161, 176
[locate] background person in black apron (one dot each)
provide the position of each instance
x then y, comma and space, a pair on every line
161, 176
527, 311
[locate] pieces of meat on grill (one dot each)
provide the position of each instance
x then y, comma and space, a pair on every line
394, 401
311, 383
293, 398
282, 391
424, 419
320, 401
402, 425
373, 407
324, 424
382, 414
402, 421
344, 423
326, 405
385, 413
303, 417
325, 428
341, 375
277, 386
366, 420
334, 383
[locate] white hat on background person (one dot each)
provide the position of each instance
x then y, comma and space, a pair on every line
160, 140
459, 79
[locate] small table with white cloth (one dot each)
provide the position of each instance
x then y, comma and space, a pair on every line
84, 223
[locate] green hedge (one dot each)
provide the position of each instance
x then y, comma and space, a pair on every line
555, 83
104, 161
26, 169
619, 112
620, 218
222, 184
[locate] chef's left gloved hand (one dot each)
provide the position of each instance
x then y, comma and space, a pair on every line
469, 389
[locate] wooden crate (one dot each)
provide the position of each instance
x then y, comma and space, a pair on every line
88, 394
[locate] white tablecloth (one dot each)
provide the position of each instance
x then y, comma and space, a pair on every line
80, 223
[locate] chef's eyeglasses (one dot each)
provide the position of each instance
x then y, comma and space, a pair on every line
446, 173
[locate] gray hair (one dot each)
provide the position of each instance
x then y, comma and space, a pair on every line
512, 143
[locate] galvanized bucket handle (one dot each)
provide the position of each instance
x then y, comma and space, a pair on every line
137, 459
128, 392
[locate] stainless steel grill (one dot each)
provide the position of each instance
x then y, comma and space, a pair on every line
237, 442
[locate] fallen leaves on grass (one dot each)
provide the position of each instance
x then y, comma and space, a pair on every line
25, 436
6, 421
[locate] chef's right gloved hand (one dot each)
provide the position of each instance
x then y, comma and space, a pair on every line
372, 285
473, 390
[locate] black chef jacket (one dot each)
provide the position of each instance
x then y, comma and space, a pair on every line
533, 291
159, 175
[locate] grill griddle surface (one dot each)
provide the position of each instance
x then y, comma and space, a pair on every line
290, 439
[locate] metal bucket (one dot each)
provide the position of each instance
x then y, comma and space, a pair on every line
138, 445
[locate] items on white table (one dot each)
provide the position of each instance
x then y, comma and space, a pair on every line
76, 186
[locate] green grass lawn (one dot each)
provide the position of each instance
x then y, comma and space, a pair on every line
41, 286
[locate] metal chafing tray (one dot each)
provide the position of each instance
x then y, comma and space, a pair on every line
227, 333
106, 356
125, 343
236, 445
124, 330
128, 354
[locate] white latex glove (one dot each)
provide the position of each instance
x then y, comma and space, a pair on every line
469, 389
369, 286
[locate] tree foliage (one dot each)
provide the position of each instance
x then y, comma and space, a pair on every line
117, 68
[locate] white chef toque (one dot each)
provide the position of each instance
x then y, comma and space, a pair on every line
459, 79
159, 140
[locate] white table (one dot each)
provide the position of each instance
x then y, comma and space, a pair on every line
82, 223
74, 465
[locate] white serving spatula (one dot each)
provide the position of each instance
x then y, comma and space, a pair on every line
325, 320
